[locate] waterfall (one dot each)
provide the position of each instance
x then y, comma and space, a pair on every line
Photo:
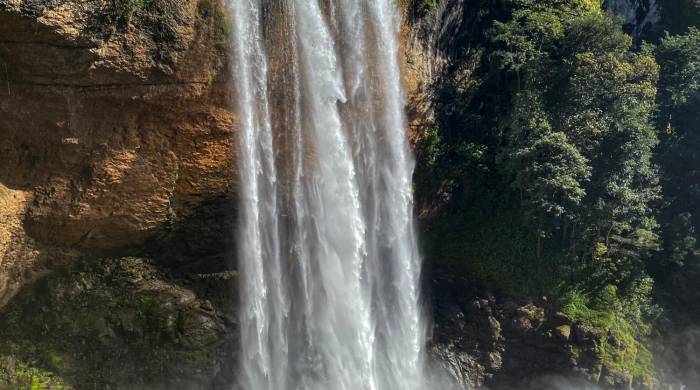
329, 266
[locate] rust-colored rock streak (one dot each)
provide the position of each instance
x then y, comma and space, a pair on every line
115, 128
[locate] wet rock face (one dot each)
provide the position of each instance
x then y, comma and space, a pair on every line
121, 323
500, 343
117, 121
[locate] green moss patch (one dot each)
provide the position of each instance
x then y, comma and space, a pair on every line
106, 323
17, 375
620, 332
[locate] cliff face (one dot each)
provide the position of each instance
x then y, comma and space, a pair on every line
115, 127
117, 180
114, 124
638, 16
116, 137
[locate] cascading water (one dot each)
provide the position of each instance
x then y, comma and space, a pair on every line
327, 249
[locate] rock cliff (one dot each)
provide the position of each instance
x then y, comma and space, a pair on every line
114, 124
116, 137
117, 186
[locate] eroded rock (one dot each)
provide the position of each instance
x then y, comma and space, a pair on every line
118, 127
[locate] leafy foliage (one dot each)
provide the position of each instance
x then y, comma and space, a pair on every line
678, 15
679, 118
21, 376
543, 156
425, 6
623, 322
676, 267
560, 111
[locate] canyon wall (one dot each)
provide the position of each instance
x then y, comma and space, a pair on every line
117, 183
113, 126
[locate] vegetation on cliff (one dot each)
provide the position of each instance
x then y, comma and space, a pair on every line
565, 160
561, 168
112, 323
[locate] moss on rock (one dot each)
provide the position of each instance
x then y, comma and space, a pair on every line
17, 375
115, 323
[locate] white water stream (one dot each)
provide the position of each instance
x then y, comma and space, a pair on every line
327, 250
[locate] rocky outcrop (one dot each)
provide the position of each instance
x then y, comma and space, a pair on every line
638, 16
430, 42
120, 323
117, 121
16, 251
22, 259
486, 342
502, 343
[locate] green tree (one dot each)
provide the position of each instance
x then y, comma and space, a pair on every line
581, 136
679, 122
560, 109
549, 172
